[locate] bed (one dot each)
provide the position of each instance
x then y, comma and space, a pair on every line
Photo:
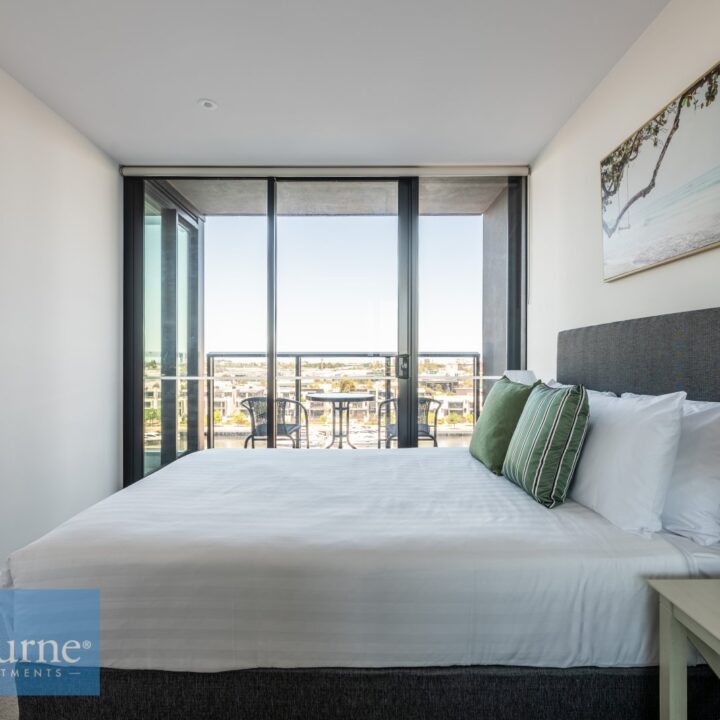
379, 584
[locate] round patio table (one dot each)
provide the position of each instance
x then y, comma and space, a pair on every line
341, 402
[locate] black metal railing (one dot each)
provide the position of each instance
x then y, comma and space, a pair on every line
387, 377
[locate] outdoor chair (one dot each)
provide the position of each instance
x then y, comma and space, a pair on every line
290, 416
426, 430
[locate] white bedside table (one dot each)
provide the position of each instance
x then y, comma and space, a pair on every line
689, 611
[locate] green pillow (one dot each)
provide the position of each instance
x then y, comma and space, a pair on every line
547, 442
493, 430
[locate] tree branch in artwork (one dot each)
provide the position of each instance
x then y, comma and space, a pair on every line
660, 131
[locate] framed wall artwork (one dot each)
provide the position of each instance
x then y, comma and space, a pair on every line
661, 186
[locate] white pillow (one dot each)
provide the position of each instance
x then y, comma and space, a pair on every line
556, 384
692, 505
628, 459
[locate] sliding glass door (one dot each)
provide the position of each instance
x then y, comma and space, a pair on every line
172, 405
236, 317
465, 239
309, 312
337, 309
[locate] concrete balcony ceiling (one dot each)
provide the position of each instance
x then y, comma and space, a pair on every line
438, 196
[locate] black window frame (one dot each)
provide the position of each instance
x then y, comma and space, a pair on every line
408, 296
175, 214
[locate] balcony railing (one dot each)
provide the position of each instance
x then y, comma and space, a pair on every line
454, 378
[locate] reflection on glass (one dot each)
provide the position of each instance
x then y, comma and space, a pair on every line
168, 284
152, 409
183, 248
152, 317
182, 419
181, 370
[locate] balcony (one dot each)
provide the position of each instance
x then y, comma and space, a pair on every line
454, 379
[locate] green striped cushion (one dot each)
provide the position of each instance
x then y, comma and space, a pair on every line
547, 441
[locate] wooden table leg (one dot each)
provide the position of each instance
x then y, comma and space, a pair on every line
673, 665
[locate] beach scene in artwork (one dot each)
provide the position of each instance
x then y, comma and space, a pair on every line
661, 189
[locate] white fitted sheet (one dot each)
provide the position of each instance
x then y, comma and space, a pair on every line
233, 559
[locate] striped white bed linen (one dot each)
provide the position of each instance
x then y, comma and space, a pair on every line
233, 559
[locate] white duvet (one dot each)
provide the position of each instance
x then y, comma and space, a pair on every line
234, 559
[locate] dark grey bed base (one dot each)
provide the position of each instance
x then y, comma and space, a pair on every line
651, 356
456, 693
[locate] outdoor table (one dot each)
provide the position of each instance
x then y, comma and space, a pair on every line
341, 402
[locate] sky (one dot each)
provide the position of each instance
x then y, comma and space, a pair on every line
337, 283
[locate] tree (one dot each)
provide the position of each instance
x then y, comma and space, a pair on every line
453, 418
217, 417
347, 385
152, 416
665, 124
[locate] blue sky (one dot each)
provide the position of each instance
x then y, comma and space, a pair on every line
337, 283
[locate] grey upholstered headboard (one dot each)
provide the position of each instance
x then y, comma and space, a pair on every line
651, 356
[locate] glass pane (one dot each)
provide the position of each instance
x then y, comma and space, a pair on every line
152, 405
171, 410
182, 416
183, 248
235, 283
463, 235
235, 304
337, 305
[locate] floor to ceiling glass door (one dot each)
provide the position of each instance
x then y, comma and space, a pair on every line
467, 234
364, 312
337, 312
236, 318
172, 395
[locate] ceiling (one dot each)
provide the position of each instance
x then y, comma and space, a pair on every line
317, 82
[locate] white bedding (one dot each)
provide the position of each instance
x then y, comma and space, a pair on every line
234, 559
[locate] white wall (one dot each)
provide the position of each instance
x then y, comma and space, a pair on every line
61, 303
566, 288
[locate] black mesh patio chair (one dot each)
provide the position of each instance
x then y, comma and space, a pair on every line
426, 430
290, 417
